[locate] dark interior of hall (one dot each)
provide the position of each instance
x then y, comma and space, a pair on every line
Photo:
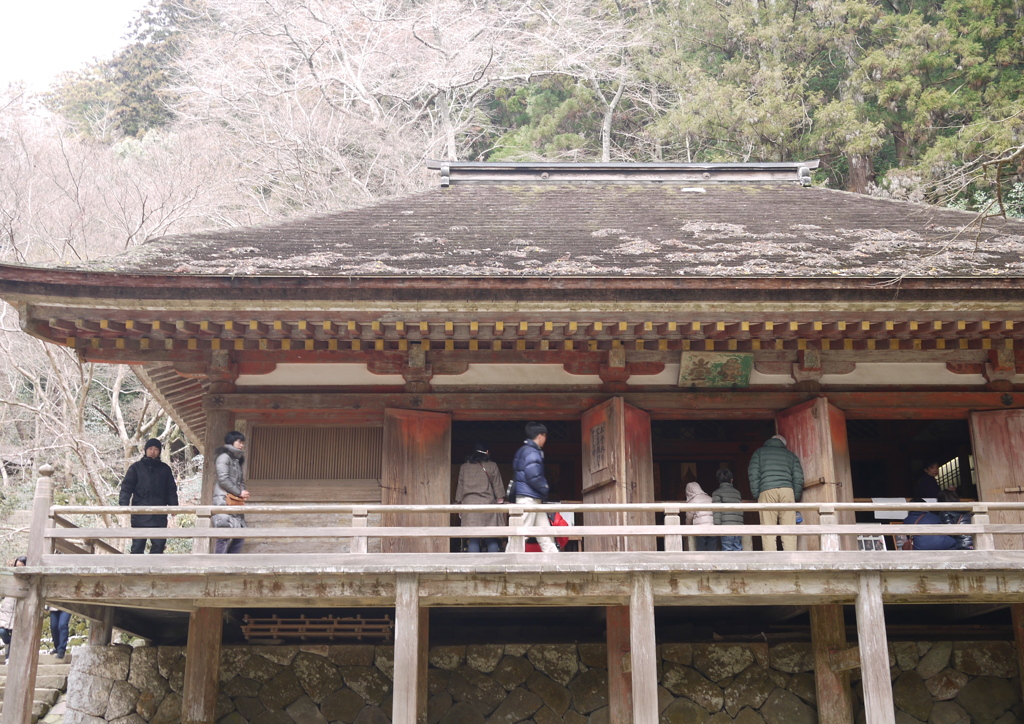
886, 456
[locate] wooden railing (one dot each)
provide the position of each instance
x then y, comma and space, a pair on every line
53, 531
828, 531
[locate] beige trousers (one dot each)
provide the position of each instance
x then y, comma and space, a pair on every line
778, 517
534, 515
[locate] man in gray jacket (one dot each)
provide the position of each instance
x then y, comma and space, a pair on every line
776, 476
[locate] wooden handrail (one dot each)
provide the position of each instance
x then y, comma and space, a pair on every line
501, 531
828, 530
317, 508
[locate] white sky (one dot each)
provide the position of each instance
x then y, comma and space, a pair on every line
41, 38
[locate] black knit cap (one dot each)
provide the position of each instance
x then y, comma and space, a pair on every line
153, 442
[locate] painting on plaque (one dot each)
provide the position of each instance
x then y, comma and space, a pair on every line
715, 369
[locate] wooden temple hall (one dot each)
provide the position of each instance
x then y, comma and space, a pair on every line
664, 321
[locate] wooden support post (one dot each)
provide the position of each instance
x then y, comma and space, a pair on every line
673, 542
202, 546
516, 543
202, 666
218, 424
827, 516
643, 651
422, 664
983, 541
1017, 612
21, 667
828, 634
620, 682
358, 543
222, 374
102, 632
874, 651
38, 544
408, 650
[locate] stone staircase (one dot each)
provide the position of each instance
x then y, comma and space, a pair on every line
51, 682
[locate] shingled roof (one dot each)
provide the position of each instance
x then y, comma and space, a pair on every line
602, 229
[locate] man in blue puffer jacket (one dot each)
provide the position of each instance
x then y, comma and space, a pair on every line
531, 485
776, 476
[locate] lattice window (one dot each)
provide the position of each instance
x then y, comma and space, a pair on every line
314, 453
950, 474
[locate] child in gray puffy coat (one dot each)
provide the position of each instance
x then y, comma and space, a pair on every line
727, 493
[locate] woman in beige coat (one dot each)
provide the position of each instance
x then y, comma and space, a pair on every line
480, 484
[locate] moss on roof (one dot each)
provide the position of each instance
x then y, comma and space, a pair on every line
604, 230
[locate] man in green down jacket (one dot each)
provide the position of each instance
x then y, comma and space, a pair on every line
776, 476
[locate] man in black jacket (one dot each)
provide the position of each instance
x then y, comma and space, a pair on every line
149, 482
531, 484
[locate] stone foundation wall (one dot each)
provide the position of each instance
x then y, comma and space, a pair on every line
938, 683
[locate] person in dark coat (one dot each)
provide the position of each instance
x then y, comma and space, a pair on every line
954, 517
927, 485
928, 542
531, 484
149, 481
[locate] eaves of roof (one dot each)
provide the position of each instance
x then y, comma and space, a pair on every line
26, 283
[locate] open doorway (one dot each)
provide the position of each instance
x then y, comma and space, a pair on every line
887, 457
687, 451
504, 437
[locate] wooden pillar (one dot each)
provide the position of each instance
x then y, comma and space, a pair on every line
673, 542
874, 651
222, 374
38, 545
102, 632
422, 663
202, 666
828, 633
21, 667
620, 682
643, 651
410, 650
218, 424
1017, 612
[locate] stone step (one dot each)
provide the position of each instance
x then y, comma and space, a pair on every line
39, 709
45, 670
46, 696
45, 681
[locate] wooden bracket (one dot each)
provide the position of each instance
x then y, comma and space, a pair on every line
1000, 370
594, 485
844, 659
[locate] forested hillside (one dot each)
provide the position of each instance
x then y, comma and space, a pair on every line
229, 112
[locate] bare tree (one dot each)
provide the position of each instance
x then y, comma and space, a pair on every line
334, 104
66, 199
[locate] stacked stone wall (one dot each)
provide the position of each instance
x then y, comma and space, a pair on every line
937, 683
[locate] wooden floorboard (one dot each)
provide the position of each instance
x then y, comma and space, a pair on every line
176, 582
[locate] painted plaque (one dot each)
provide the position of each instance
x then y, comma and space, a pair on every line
597, 443
715, 369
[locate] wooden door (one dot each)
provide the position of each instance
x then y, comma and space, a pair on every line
618, 467
415, 470
816, 432
997, 439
